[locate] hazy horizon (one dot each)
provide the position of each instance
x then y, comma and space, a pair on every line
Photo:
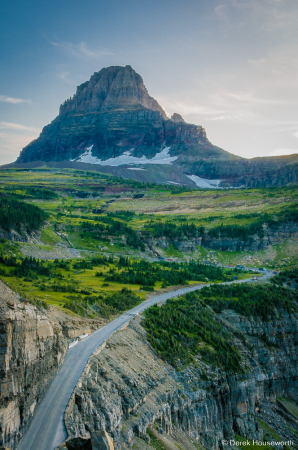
229, 66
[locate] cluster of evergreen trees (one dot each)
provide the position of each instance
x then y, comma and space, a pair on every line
124, 215
184, 328
93, 262
237, 231
26, 267
114, 228
175, 231
245, 232
41, 193
105, 306
20, 216
250, 300
147, 274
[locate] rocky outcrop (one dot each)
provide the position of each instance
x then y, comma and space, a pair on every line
99, 440
273, 235
32, 349
177, 118
127, 388
22, 236
111, 88
183, 244
33, 345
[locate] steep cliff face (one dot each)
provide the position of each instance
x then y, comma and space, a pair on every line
127, 388
113, 113
272, 235
15, 236
32, 349
33, 346
183, 245
112, 88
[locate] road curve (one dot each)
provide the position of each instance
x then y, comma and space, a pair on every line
46, 430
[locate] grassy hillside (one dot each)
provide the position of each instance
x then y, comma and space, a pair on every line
89, 286
98, 217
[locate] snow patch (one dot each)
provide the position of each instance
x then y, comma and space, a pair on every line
204, 183
135, 168
160, 158
173, 182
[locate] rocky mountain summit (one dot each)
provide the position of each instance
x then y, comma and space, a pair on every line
112, 88
113, 125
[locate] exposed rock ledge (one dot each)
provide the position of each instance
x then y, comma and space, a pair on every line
13, 235
33, 344
127, 388
272, 236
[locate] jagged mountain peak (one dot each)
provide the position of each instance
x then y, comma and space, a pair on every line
112, 88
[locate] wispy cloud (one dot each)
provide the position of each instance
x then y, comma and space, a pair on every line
14, 137
18, 127
187, 107
240, 107
81, 49
64, 76
276, 15
253, 118
249, 99
5, 99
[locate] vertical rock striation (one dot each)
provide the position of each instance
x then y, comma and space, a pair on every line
32, 349
33, 344
128, 388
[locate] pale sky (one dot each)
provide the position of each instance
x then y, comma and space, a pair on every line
230, 66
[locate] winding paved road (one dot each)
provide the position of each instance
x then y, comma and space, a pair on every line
47, 430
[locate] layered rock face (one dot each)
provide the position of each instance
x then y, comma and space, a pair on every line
32, 349
23, 236
273, 235
33, 346
127, 388
112, 115
183, 245
113, 88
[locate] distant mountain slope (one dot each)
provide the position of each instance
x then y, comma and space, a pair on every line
112, 121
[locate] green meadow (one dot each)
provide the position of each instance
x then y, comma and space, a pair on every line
85, 215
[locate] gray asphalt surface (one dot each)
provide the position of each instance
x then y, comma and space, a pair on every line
47, 430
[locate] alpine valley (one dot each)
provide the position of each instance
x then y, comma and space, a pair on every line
148, 284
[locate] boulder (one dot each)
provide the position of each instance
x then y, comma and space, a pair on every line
78, 443
101, 441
